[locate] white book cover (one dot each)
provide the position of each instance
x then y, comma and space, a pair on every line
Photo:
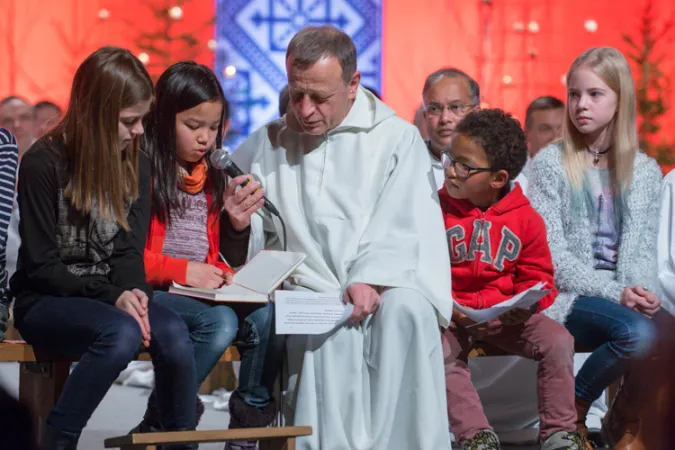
252, 283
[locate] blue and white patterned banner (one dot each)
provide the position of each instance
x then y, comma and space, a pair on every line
252, 37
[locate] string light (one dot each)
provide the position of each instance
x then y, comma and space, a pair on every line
212, 44
103, 14
230, 71
507, 79
176, 12
533, 27
591, 26
144, 58
563, 79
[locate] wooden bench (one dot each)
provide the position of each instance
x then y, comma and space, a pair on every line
42, 374
482, 349
270, 438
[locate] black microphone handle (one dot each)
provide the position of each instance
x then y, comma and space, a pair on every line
234, 171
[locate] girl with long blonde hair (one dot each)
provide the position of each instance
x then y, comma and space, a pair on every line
599, 197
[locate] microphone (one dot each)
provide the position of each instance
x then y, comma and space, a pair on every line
221, 160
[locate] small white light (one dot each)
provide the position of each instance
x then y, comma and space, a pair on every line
507, 79
533, 27
519, 27
484, 105
144, 58
591, 26
230, 71
176, 12
212, 44
103, 14
563, 79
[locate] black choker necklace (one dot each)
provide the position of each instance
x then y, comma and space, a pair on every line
596, 155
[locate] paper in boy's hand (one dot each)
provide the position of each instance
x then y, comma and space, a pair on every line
525, 299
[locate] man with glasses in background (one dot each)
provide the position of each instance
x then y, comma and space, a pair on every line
449, 95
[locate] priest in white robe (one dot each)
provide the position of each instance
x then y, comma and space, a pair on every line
355, 188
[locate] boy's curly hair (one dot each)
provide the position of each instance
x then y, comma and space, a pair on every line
500, 135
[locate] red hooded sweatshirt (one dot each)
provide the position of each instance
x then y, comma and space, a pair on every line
497, 253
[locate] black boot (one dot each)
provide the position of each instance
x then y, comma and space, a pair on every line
151, 422
243, 415
55, 439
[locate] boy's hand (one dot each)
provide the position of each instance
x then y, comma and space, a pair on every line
461, 319
516, 316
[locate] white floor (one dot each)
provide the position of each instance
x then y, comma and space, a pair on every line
120, 411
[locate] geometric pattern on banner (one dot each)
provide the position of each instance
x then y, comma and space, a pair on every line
252, 36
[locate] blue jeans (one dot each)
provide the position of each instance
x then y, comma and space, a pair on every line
617, 333
214, 327
106, 339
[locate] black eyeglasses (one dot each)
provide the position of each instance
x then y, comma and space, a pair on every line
462, 170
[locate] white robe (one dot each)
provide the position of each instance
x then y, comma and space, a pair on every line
361, 202
665, 249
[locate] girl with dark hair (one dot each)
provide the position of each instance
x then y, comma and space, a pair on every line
191, 212
80, 288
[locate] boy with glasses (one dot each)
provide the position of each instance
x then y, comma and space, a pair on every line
498, 248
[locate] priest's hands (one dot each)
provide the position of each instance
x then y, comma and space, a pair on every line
365, 299
241, 204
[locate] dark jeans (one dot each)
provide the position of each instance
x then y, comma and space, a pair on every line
617, 333
215, 326
106, 339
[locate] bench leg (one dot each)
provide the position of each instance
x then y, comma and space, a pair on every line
40, 386
277, 444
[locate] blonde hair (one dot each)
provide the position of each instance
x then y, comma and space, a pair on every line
611, 66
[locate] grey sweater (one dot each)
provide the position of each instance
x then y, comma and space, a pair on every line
570, 238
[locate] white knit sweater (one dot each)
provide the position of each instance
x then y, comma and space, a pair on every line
570, 239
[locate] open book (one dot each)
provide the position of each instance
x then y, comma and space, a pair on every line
524, 299
252, 283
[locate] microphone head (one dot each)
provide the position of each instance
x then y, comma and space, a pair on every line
220, 158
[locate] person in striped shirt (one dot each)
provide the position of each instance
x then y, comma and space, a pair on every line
9, 156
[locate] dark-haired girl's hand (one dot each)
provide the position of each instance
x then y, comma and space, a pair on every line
241, 204
203, 276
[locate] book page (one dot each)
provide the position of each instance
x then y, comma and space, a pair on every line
267, 270
304, 312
